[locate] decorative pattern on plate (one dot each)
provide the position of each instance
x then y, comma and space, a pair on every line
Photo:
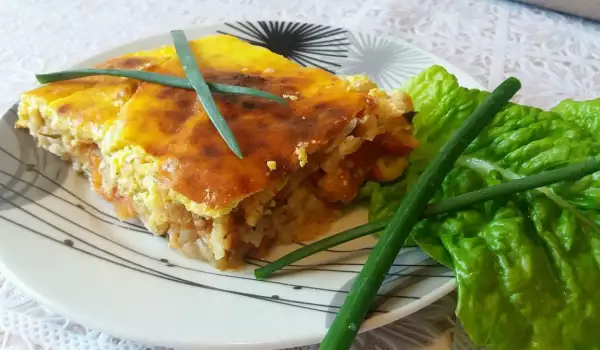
307, 44
386, 62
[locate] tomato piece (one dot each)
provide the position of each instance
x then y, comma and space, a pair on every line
391, 144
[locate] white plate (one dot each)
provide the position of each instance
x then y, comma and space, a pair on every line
63, 244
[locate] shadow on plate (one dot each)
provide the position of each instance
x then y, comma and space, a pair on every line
25, 169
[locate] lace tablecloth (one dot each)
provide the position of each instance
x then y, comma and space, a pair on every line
555, 56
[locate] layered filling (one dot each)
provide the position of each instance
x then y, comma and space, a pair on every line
372, 146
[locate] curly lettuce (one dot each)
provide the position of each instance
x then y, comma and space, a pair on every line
527, 266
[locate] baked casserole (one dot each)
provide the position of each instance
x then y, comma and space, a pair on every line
152, 151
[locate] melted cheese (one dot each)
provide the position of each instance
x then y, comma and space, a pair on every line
164, 131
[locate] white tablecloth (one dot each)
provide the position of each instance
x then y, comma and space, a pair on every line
555, 56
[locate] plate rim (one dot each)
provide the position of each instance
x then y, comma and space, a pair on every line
151, 340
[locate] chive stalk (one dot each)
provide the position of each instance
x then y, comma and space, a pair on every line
162, 79
568, 173
192, 71
344, 328
325, 243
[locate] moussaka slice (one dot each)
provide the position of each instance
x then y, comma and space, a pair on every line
152, 151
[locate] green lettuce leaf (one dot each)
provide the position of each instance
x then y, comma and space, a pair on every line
585, 114
527, 266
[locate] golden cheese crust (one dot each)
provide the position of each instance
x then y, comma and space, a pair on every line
171, 125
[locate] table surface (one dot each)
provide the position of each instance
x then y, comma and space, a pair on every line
555, 56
